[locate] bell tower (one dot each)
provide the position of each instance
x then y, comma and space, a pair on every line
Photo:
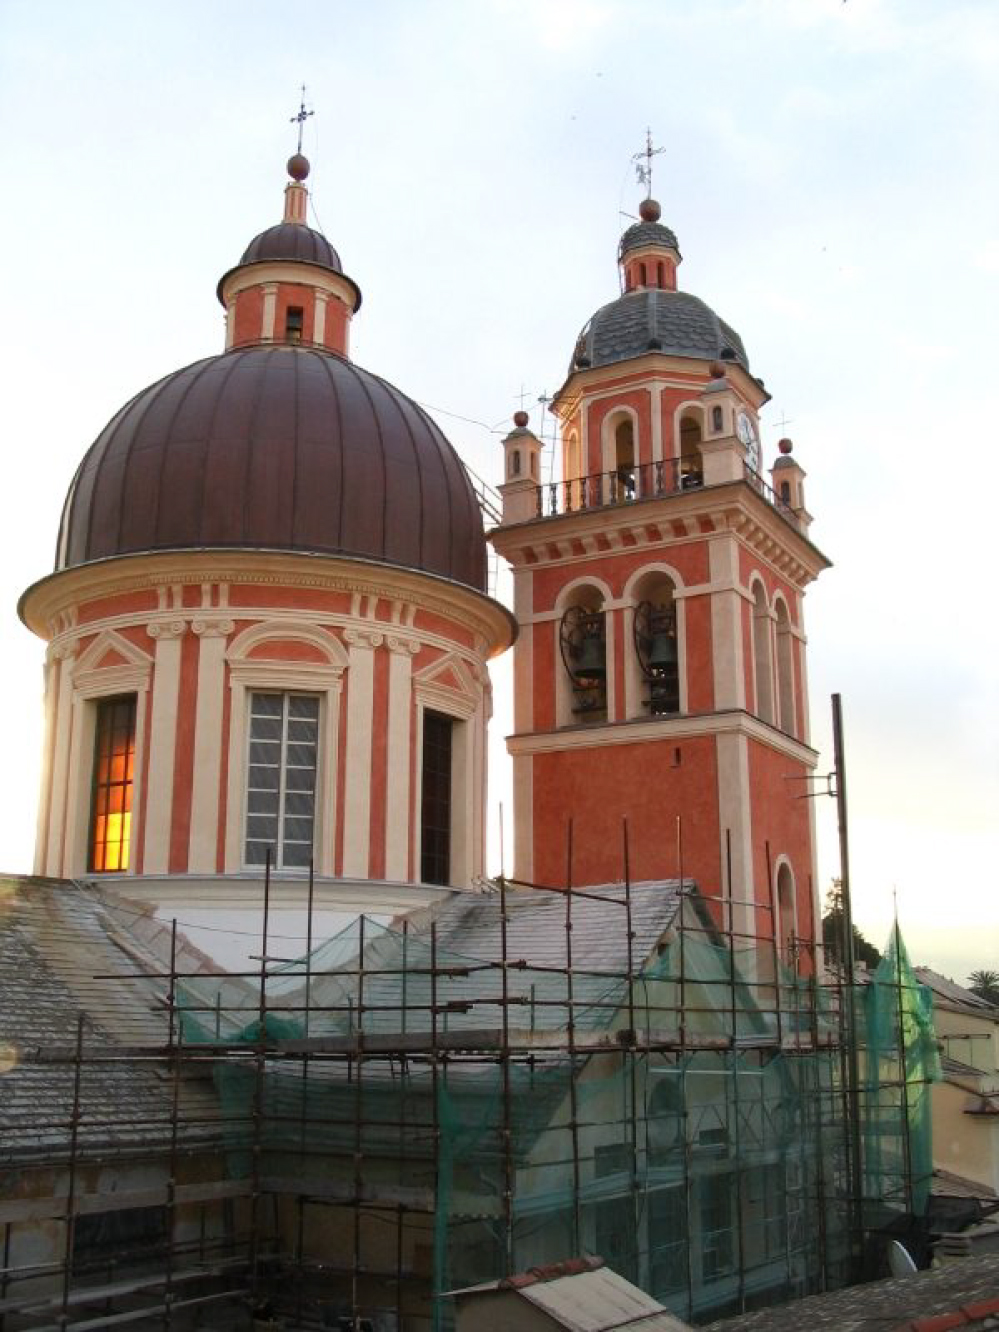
659, 585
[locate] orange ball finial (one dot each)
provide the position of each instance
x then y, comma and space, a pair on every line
298, 167
520, 419
649, 210
785, 445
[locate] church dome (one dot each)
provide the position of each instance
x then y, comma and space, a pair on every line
276, 448
656, 320
292, 240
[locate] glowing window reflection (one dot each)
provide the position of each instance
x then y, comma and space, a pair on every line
114, 767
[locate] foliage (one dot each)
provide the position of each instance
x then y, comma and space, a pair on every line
985, 984
832, 932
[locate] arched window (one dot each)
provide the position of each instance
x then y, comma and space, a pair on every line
786, 932
642, 276
624, 458
762, 657
716, 419
515, 463
582, 633
691, 463
785, 670
655, 679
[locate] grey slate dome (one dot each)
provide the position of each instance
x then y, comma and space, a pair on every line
648, 233
654, 320
282, 449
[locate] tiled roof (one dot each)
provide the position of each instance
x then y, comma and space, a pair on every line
885, 1306
948, 992
59, 943
673, 322
647, 233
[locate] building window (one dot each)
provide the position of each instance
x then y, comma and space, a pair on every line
281, 785
294, 322
435, 812
583, 642
785, 670
114, 775
716, 420
515, 463
105, 1241
615, 1212
762, 656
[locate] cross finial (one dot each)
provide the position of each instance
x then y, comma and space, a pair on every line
644, 170
521, 395
301, 118
784, 422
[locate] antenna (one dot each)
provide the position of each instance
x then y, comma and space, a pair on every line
644, 171
301, 118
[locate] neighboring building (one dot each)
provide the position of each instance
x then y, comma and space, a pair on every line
966, 1101
659, 587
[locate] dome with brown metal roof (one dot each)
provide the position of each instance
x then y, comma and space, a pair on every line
276, 448
292, 240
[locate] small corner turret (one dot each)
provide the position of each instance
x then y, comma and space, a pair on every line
521, 471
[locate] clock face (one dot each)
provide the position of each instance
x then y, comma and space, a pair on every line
747, 434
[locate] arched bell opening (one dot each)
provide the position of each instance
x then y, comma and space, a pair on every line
691, 461
762, 656
657, 645
583, 646
785, 670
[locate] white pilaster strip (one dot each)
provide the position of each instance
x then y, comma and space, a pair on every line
162, 743
269, 311
400, 696
319, 318
735, 814
62, 691
357, 759
656, 405
203, 842
726, 623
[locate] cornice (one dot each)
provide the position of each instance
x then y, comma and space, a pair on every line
689, 726
690, 371
732, 507
60, 593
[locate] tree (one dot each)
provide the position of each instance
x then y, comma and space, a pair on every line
832, 932
985, 984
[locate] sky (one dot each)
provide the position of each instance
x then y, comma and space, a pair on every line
830, 169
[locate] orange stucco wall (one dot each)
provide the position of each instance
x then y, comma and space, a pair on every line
601, 786
780, 818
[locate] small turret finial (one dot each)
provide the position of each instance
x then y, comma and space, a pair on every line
644, 170
300, 119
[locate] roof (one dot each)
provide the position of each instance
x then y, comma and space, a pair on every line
583, 1295
276, 448
59, 944
292, 240
674, 323
948, 993
647, 233
884, 1306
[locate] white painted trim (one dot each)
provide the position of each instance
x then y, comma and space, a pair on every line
694, 724
727, 650
358, 756
398, 762
162, 744
58, 792
203, 839
735, 815
269, 311
656, 407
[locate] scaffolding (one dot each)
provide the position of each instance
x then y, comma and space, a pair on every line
340, 1139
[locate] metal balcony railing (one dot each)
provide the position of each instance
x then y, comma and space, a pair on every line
644, 481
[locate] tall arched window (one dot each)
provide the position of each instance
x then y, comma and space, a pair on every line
691, 463
785, 670
762, 657
582, 632
785, 925
624, 458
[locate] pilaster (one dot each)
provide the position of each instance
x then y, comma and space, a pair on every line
57, 795
167, 635
397, 830
203, 841
357, 759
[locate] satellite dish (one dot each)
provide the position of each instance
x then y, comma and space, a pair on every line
900, 1260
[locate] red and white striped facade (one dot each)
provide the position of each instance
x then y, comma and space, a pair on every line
712, 792
191, 635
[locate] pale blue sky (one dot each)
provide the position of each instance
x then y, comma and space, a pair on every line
830, 170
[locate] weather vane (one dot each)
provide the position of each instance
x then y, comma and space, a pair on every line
301, 118
644, 170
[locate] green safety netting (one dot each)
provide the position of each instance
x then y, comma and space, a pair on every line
692, 1128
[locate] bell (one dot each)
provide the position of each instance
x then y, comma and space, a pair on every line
662, 653
591, 664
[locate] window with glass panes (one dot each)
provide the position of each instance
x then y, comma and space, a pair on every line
435, 814
281, 779
114, 772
